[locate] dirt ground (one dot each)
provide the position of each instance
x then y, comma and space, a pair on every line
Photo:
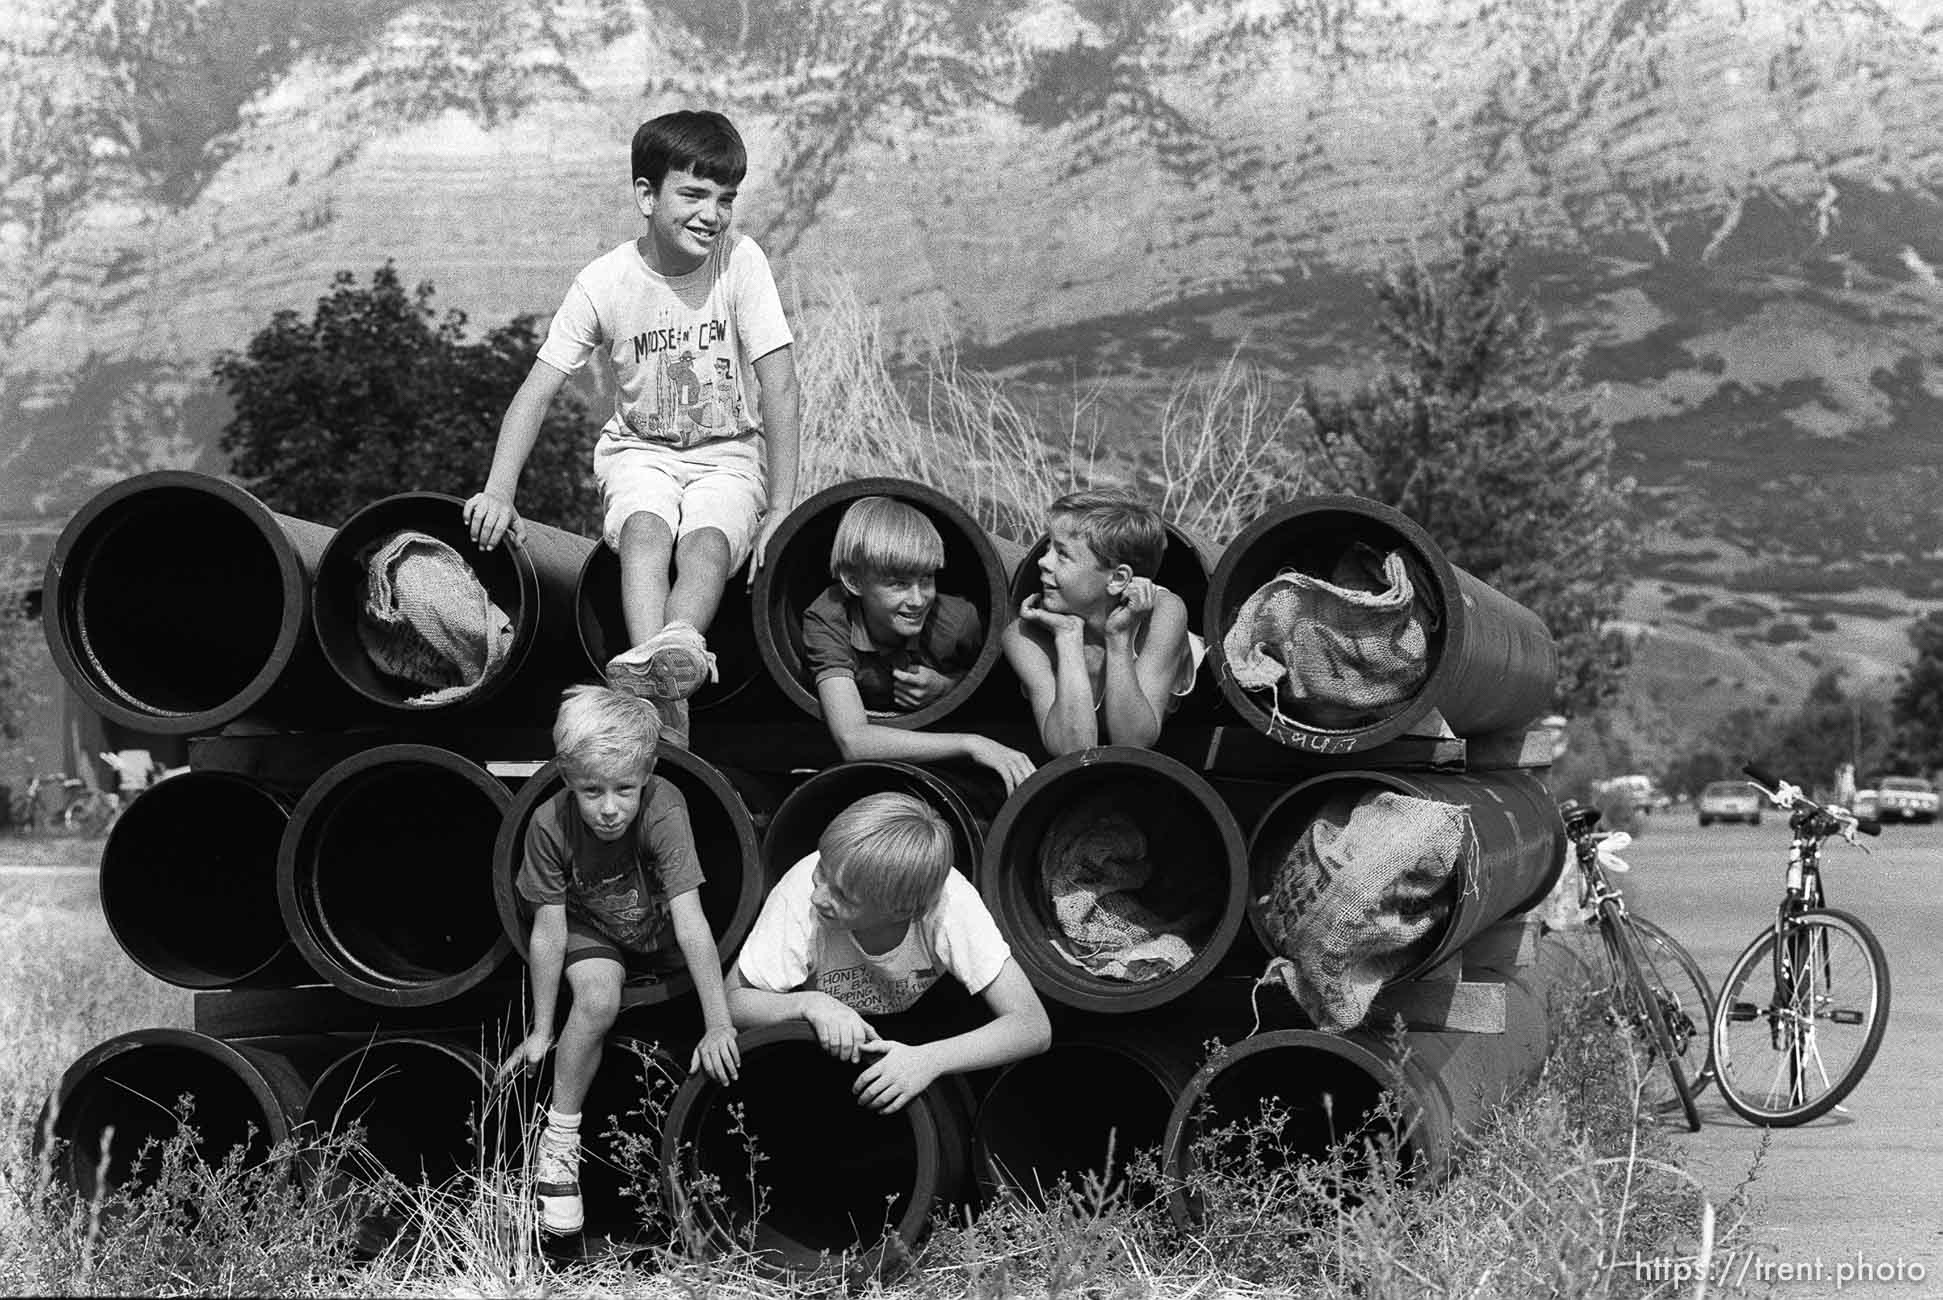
49, 850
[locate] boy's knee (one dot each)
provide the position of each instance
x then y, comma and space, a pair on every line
597, 996
645, 534
704, 546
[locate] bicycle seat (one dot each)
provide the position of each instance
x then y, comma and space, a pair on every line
1579, 818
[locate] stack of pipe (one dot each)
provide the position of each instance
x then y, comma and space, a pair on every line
372, 861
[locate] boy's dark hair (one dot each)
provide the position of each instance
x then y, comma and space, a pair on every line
1119, 529
692, 140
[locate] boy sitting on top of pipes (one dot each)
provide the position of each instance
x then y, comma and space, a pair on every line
865, 926
697, 463
611, 871
1102, 652
882, 638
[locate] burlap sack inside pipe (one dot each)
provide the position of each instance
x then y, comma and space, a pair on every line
428, 620
1335, 651
1359, 899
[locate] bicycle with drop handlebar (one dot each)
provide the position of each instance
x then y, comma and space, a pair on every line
1658, 993
1804, 1008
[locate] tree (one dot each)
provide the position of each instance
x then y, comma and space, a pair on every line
1916, 708
374, 395
1484, 435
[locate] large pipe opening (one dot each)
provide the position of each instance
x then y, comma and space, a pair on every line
506, 572
1185, 569
189, 883
1077, 1116
965, 800
725, 843
385, 875
1457, 645
1506, 847
839, 1184
422, 1105
176, 600
1280, 1098
798, 570
1117, 876
132, 1084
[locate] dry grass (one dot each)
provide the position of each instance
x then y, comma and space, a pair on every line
1225, 443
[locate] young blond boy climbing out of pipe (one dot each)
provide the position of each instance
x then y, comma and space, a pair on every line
612, 875
864, 927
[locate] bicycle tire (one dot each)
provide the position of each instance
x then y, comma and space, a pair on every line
1687, 996
1640, 1010
1765, 1066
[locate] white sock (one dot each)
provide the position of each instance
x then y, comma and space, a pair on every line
562, 1128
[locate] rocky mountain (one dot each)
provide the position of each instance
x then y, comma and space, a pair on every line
1731, 205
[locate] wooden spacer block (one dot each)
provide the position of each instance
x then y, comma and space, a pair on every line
1512, 749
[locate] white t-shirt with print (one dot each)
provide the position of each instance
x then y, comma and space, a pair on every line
790, 949
678, 348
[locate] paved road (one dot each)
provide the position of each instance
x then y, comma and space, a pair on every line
1863, 1189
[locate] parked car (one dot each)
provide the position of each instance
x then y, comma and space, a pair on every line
1730, 801
1644, 796
1898, 799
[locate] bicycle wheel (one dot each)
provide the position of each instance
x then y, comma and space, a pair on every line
1686, 999
1638, 1008
1799, 1024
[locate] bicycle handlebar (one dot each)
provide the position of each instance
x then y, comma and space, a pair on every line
1775, 785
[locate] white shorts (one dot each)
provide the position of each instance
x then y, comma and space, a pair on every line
717, 485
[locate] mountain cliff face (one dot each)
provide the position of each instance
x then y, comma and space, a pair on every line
1731, 204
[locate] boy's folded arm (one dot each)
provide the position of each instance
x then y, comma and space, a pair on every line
1136, 687
856, 736
1018, 1028
1055, 685
751, 1007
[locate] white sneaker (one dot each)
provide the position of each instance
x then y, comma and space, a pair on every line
672, 664
556, 1184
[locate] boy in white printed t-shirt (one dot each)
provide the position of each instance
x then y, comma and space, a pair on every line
864, 927
690, 475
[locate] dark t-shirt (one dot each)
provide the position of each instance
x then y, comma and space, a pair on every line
836, 643
621, 887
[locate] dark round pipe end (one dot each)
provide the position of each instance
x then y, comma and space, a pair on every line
384, 876
174, 601
798, 569
1328, 1089
131, 1084
506, 572
423, 1105
1081, 1111
1514, 849
848, 1182
189, 883
1191, 840
1311, 534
